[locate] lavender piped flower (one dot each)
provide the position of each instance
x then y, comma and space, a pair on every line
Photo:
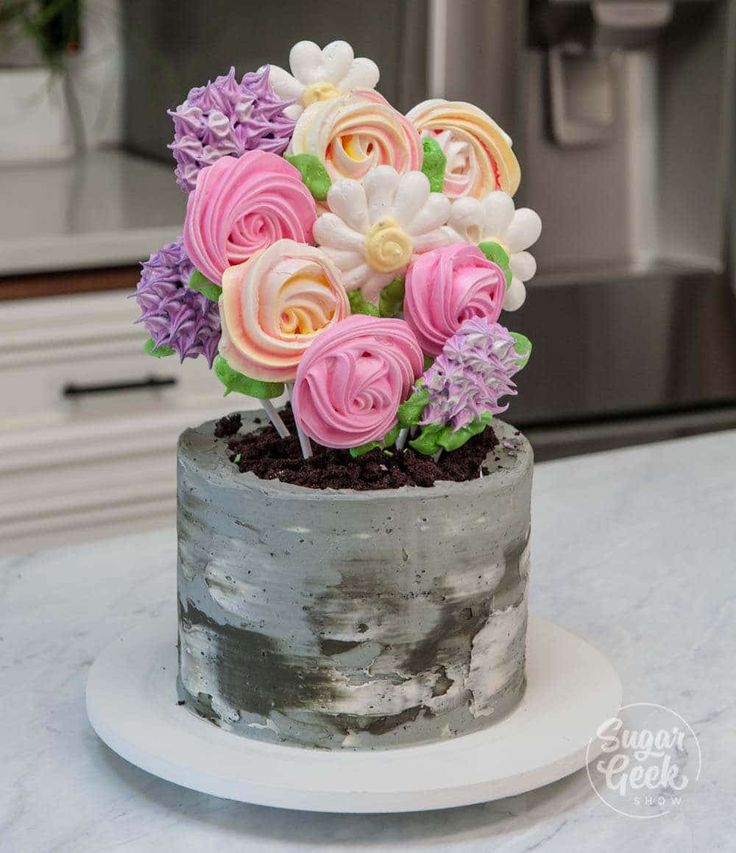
227, 118
472, 373
174, 315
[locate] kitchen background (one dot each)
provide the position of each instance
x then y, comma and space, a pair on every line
622, 118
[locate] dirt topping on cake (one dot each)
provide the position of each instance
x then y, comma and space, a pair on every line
229, 425
272, 458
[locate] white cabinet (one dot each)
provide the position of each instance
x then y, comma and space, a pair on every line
89, 422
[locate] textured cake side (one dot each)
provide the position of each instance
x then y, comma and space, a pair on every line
351, 619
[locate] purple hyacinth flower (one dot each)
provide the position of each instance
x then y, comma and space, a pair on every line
471, 374
174, 315
225, 119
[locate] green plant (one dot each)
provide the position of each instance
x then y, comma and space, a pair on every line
54, 26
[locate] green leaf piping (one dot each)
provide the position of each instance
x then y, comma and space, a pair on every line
388, 441
523, 347
199, 282
391, 300
435, 437
410, 411
314, 175
427, 440
355, 452
234, 381
358, 305
496, 253
157, 352
434, 162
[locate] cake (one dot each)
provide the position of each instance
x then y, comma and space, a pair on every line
353, 565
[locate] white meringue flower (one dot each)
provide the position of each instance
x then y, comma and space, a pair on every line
494, 219
375, 226
320, 74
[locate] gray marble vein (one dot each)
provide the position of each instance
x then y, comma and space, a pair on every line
634, 550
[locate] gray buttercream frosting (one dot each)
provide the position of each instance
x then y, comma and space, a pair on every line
343, 619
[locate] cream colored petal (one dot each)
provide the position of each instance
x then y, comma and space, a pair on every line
330, 230
411, 195
284, 85
433, 214
452, 236
523, 266
363, 74
515, 295
374, 284
498, 212
337, 57
380, 188
523, 231
305, 60
466, 219
346, 259
294, 111
430, 240
347, 200
355, 278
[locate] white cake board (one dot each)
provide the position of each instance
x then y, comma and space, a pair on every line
572, 689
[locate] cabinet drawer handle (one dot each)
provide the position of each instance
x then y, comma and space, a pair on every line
73, 389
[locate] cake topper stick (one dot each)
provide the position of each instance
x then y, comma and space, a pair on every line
401, 440
275, 418
304, 441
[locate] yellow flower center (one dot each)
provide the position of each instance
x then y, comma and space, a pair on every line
307, 304
387, 246
319, 92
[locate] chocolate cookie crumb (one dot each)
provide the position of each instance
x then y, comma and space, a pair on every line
229, 425
272, 458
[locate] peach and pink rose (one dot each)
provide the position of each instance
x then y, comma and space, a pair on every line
273, 307
355, 133
479, 154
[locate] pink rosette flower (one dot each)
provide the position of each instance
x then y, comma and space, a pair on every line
353, 378
447, 286
274, 305
241, 205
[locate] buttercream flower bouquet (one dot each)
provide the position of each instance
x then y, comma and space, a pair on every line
352, 257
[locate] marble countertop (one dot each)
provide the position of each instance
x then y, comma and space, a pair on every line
107, 208
634, 550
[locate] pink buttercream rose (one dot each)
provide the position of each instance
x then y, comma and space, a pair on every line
353, 378
241, 205
274, 305
448, 285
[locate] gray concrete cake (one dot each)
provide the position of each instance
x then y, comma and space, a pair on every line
351, 619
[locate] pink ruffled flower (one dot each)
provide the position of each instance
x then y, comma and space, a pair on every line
242, 205
447, 286
352, 379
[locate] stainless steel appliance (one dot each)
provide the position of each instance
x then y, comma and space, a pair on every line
622, 116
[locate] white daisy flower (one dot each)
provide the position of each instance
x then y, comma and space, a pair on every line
320, 74
375, 226
494, 219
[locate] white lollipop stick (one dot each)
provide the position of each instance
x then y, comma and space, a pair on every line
275, 418
401, 440
304, 442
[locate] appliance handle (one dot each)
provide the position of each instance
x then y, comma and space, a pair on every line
73, 390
